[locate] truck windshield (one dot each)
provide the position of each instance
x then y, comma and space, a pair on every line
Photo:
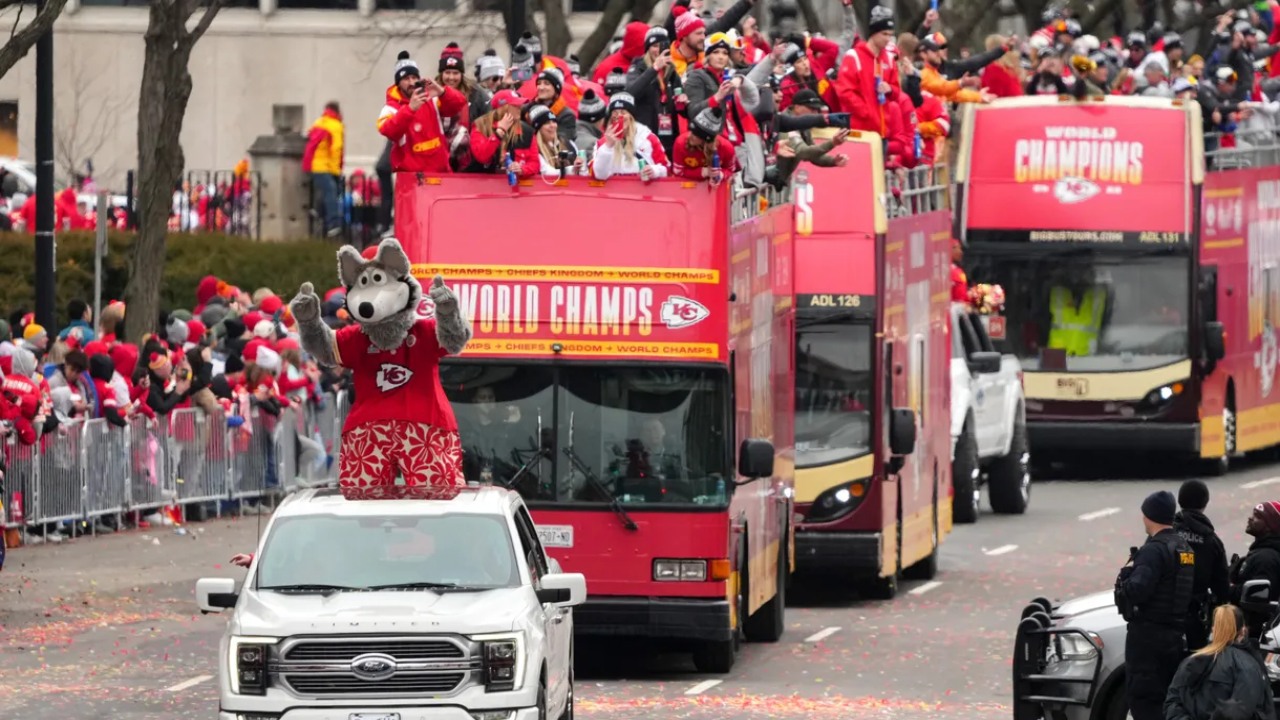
645, 435
362, 552
1081, 310
834, 385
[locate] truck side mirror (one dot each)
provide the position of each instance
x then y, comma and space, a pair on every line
755, 459
902, 431
1215, 341
984, 363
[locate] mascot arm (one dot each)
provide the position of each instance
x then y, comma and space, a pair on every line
452, 329
315, 337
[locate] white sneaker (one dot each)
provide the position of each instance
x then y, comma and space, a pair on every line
32, 539
55, 537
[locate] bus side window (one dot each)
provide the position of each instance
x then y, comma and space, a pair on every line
1208, 293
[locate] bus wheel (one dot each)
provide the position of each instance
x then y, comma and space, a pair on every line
1009, 481
1217, 467
964, 478
767, 624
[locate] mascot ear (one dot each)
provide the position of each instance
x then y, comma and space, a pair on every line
391, 256
349, 265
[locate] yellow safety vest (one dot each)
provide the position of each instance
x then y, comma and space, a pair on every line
1075, 328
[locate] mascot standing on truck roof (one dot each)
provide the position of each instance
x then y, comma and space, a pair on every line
401, 421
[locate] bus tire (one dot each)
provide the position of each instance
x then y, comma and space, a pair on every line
964, 477
768, 622
1009, 478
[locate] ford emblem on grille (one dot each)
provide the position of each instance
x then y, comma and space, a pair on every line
373, 666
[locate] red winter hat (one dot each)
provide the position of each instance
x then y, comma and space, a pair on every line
287, 344
270, 305
195, 330
97, 347
686, 22
451, 58
251, 319
250, 353
1266, 518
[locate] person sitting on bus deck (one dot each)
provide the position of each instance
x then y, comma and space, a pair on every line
1077, 307
549, 153
549, 86
628, 147
1084, 69
414, 126
498, 134
703, 153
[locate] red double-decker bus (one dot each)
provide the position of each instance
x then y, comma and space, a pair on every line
1121, 290
631, 377
873, 462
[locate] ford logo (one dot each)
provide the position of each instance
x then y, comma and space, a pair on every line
373, 667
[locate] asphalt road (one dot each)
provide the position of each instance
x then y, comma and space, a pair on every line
107, 628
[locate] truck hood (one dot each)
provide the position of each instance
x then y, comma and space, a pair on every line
277, 614
1095, 608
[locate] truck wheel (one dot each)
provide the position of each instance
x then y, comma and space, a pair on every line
1009, 479
715, 656
767, 624
964, 478
1117, 705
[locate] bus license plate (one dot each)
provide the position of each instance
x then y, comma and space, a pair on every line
374, 716
557, 536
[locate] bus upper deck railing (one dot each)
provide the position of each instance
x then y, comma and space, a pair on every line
1248, 148
916, 191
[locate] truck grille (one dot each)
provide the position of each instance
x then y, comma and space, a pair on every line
330, 685
376, 666
399, 649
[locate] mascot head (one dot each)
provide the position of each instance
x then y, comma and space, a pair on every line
382, 295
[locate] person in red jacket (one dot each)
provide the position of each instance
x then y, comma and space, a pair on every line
696, 151
868, 78
809, 68
959, 281
900, 116
934, 124
1002, 78
414, 126
632, 48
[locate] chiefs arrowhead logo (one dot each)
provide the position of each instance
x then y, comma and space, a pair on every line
680, 312
426, 308
1071, 190
392, 376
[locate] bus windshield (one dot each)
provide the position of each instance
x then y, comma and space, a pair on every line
1083, 310
834, 385
644, 435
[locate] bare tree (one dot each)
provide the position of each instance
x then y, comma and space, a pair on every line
87, 114
21, 41
162, 104
558, 36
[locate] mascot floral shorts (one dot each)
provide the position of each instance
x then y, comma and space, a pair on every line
429, 459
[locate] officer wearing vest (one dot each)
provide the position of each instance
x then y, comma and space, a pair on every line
1076, 324
1153, 593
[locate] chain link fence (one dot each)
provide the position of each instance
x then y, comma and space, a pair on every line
90, 469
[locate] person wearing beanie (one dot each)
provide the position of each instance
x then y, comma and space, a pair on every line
632, 47
264, 329
703, 153
628, 147
810, 62
196, 331
1212, 587
175, 332
690, 31
1261, 562
548, 87
615, 83
165, 392
714, 85
490, 72
413, 120
658, 90
1153, 594
590, 127
457, 127
323, 160
867, 84
950, 80
35, 339
548, 154
79, 321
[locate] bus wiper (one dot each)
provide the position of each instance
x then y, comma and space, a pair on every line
309, 587
591, 477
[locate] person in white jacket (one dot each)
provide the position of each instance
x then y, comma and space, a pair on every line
628, 147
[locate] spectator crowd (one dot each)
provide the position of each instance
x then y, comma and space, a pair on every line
233, 356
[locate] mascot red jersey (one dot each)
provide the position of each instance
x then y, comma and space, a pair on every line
401, 422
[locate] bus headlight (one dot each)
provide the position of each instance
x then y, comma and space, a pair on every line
838, 501
1164, 394
679, 570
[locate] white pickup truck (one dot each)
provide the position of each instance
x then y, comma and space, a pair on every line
988, 422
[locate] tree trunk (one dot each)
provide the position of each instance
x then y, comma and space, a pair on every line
811, 19
558, 36
599, 38
162, 105
21, 42
643, 10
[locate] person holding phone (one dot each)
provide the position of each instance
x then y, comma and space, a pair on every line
548, 154
628, 147
415, 125
715, 85
658, 89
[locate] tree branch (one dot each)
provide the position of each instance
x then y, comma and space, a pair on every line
599, 38
1099, 14
206, 20
643, 10
20, 43
811, 19
558, 35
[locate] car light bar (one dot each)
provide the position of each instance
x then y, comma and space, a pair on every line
666, 570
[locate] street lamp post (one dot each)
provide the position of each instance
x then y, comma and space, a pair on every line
46, 280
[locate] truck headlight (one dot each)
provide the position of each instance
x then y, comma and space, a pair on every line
1072, 648
503, 657
247, 658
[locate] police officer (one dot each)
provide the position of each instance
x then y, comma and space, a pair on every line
1211, 586
1153, 593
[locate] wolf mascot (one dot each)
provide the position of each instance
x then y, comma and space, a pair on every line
401, 421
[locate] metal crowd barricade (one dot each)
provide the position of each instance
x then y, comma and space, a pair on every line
290, 426
60, 474
252, 469
196, 456
150, 485
104, 451
20, 487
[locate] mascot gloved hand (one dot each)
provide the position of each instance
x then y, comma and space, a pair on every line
400, 423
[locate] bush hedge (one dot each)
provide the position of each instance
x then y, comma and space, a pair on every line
243, 262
